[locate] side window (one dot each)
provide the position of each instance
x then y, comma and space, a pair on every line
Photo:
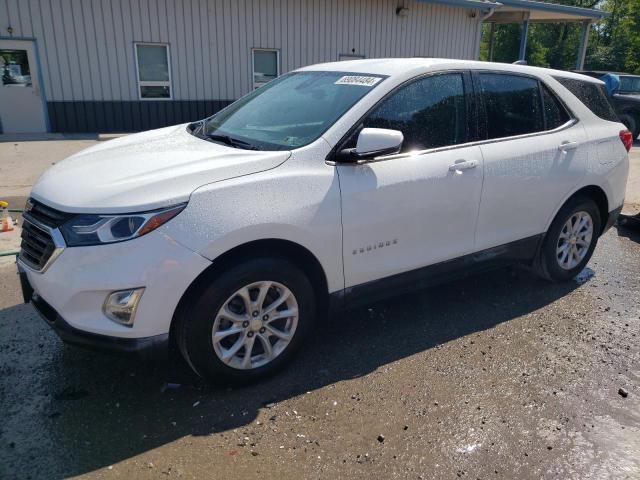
512, 105
555, 115
429, 112
593, 95
630, 84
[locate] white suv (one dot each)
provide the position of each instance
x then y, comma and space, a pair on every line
328, 187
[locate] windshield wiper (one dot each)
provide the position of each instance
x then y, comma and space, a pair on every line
232, 142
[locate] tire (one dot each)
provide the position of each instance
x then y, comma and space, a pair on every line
632, 123
552, 263
204, 316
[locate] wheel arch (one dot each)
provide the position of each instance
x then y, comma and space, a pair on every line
286, 249
594, 192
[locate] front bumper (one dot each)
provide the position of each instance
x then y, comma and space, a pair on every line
71, 293
154, 347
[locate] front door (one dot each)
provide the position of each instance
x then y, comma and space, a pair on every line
21, 103
418, 208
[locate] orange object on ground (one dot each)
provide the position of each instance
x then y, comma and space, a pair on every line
7, 221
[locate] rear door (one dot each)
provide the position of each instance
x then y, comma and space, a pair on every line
534, 155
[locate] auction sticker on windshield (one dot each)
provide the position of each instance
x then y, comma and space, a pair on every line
358, 80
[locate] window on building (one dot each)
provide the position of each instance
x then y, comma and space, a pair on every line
593, 95
555, 115
429, 112
266, 66
349, 56
512, 105
154, 77
14, 68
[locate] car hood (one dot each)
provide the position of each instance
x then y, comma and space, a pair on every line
145, 171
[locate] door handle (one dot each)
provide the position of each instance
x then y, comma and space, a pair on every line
460, 165
566, 146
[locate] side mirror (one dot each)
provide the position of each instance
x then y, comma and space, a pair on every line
373, 142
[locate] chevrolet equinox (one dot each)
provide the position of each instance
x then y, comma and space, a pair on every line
330, 186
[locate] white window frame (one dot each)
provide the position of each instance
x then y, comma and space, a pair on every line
253, 64
143, 83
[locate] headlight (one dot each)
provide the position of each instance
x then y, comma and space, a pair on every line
97, 229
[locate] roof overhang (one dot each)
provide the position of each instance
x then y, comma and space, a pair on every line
543, 12
514, 11
478, 4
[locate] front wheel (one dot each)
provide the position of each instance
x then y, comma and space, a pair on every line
248, 322
570, 241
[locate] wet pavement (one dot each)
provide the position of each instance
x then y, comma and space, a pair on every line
500, 375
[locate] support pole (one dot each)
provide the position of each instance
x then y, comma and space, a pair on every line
523, 39
492, 39
584, 42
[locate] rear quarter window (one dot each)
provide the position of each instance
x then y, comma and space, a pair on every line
593, 95
555, 115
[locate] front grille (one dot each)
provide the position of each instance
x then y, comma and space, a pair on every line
37, 245
46, 215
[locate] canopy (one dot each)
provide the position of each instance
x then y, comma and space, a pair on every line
526, 11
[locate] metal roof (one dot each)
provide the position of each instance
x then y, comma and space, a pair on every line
584, 13
482, 4
532, 10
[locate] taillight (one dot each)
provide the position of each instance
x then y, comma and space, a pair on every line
627, 139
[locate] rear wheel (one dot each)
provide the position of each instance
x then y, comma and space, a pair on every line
570, 241
248, 322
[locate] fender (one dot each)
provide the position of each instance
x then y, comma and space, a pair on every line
298, 202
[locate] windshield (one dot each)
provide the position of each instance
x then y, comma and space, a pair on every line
290, 111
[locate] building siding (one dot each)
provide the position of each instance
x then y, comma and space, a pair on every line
87, 58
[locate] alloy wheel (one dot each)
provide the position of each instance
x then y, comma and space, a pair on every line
255, 325
574, 240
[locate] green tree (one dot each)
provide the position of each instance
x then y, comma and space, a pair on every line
614, 42
632, 27
609, 39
